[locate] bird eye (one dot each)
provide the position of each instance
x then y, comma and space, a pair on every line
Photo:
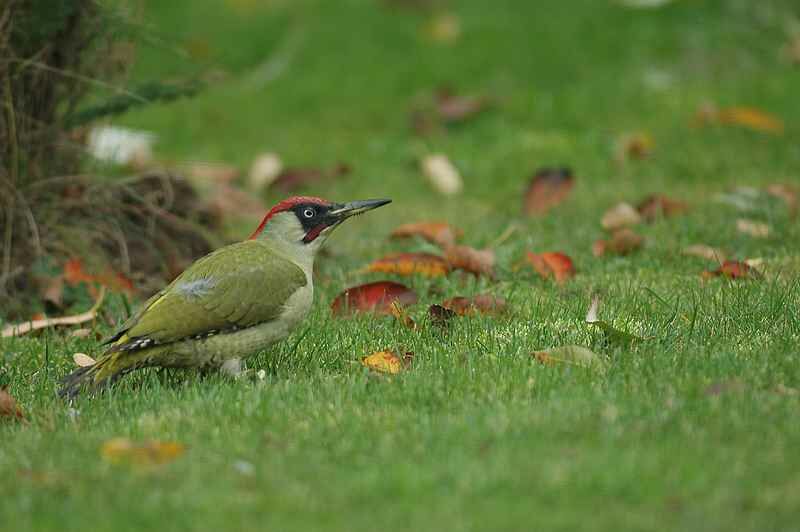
309, 213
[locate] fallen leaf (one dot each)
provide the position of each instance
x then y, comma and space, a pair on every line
294, 178
439, 233
634, 146
619, 216
203, 174
786, 193
548, 187
444, 28
483, 303
552, 264
402, 316
622, 242
611, 333
230, 202
747, 117
454, 108
19, 329
752, 228
440, 316
426, 264
442, 174
733, 270
386, 362
705, 252
148, 453
83, 360
372, 297
573, 355
659, 206
75, 274
475, 261
52, 289
264, 171
9, 406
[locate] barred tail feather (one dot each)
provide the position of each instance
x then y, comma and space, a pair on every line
90, 378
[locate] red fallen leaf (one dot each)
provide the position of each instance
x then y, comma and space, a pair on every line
440, 316
483, 303
8, 406
548, 188
552, 264
621, 242
439, 233
733, 269
75, 274
372, 297
657, 206
426, 264
293, 178
475, 261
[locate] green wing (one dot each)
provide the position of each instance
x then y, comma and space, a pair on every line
235, 287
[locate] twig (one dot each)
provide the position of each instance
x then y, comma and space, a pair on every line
22, 328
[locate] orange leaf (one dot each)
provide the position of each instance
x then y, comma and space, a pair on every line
483, 303
552, 264
657, 206
75, 274
372, 297
748, 117
439, 233
548, 187
634, 146
425, 264
733, 269
476, 261
621, 242
8, 406
385, 362
148, 453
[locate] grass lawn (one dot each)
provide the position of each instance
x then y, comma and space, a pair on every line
695, 428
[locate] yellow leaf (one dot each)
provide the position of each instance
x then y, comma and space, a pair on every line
384, 362
148, 453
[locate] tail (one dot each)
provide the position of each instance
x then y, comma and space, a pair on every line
91, 378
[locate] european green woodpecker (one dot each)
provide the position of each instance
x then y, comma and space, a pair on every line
234, 302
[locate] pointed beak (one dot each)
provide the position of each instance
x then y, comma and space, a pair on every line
343, 211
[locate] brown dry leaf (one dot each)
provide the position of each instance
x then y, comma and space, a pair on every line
82, 360
786, 193
552, 264
454, 108
205, 173
733, 270
475, 261
372, 297
293, 178
659, 206
705, 252
571, 355
440, 316
426, 264
9, 406
402, 316
752, 228
386, 362
116, 282
483, 303
147, 453
621, 242
619, 216
440, 233
634, 146
548, 187
748, 117
442, 175
52, 289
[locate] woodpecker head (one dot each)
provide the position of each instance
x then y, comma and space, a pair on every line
303, 223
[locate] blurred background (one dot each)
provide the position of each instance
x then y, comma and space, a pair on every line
138, 135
